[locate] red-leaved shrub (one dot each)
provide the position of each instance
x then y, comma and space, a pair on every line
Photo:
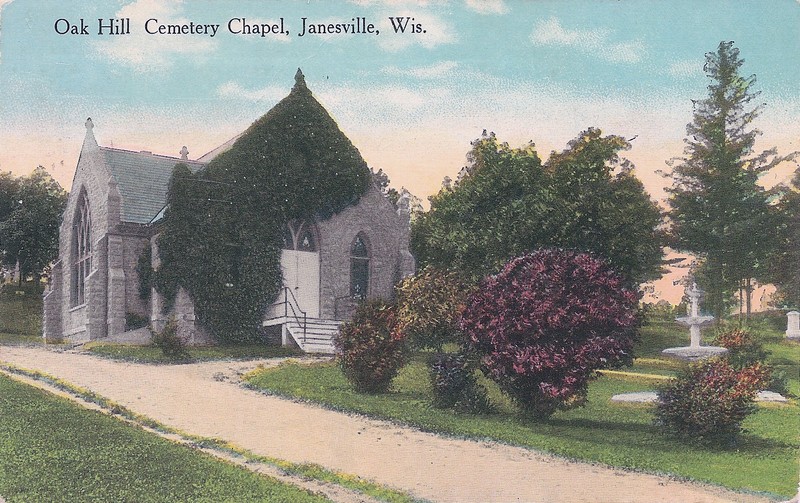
709, 400
371, 351
546, 323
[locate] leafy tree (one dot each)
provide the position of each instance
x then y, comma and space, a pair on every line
546, 323
29, 226
784, 269
491, 215
601, 207
9, 188
719, 212
508, 203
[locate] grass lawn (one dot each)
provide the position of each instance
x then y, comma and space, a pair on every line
20, 315
150, 354
52, 447
765, 459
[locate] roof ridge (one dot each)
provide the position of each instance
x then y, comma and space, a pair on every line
149, 153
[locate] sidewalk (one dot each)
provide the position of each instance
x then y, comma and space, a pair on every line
199, 399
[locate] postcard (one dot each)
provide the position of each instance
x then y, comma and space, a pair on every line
108, 96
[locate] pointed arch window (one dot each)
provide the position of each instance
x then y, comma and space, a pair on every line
300, 236
306, 240
81, 251
359, 268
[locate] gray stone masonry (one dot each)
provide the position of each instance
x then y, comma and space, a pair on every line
51, 322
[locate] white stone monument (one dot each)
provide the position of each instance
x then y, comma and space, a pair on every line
694, 321
793, 325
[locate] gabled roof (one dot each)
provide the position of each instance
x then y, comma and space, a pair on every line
142, 179
298, 126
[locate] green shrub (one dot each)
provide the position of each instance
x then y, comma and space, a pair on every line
454, 385
709, 400
371, 350
170, 342
778, 381
429, 306
743, 348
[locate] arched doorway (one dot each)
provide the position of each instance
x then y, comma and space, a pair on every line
300, 265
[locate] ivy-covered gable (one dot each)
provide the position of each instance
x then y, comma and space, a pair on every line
298, 151
222, 231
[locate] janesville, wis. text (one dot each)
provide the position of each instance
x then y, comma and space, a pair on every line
236, 26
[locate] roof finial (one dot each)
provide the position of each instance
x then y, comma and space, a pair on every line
89, 142
299, 80
184, 153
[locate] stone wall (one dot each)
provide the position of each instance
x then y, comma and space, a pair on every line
92, 181
52, 330
134, 239
386, 235
182, 310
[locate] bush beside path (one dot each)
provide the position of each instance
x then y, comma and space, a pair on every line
205, 399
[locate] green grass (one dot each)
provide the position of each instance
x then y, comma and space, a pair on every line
151, 354
52, 447
622, 435
20, 315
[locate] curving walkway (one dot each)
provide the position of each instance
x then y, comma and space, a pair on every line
205, 399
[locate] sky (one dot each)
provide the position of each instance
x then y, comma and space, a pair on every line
536, 70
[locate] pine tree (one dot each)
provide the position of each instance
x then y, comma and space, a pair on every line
718, 210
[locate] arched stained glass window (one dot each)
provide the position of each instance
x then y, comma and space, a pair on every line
81, 251
359, 268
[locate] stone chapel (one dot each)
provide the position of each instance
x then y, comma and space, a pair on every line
118, 198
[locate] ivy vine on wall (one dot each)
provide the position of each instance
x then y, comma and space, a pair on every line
221, 236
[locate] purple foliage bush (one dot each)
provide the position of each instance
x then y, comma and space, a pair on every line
371, 350
546, 323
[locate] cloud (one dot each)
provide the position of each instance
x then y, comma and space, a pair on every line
436, 32
144, 52
687, 68
433, 71
550, 32
232, 89
489, 6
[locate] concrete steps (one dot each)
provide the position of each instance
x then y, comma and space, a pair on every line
318, 334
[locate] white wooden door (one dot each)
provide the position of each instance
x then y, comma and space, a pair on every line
301, 275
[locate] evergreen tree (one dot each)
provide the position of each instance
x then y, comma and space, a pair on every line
718, 211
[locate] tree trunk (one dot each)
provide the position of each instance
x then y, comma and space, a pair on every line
749, 290
741, 300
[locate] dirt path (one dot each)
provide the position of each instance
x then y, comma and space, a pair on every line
205, 400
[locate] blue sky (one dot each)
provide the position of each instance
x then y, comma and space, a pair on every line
529, 70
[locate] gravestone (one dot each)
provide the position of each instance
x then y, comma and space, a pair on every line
793, 325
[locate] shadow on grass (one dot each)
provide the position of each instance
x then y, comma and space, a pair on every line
634, 434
